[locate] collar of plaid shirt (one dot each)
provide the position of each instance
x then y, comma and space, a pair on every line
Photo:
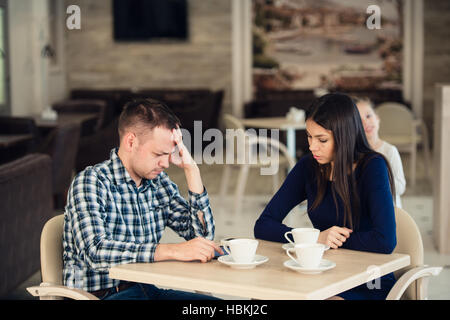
120, 174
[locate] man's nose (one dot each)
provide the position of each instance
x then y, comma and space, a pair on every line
164, 163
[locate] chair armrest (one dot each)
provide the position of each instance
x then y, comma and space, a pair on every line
49, 290
409, 277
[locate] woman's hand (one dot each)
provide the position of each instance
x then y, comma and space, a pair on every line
334, 236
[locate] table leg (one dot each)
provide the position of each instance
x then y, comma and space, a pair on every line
291, 145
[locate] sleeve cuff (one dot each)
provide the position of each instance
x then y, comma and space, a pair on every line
146, 252
199, 201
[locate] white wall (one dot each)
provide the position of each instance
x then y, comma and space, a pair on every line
28, 33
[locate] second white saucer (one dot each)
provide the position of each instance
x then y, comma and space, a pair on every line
228, 260
323, 266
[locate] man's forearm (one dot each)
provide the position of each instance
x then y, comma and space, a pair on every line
195, 249
193, 179
195, 184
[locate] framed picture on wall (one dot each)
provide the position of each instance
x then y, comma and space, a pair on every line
329, 44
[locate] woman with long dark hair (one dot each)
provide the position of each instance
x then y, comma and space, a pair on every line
347, 185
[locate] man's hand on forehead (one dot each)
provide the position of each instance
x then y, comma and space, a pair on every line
177, 135
181, 157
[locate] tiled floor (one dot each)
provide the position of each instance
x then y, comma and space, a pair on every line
417, 201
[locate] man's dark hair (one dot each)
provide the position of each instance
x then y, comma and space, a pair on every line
147, 114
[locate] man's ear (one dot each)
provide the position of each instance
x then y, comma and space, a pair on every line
128, 140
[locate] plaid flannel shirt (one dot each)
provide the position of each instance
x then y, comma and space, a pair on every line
110, 221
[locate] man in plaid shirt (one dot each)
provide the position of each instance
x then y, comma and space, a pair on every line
117, 210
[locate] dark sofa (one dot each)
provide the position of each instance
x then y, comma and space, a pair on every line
25, 205
19, 125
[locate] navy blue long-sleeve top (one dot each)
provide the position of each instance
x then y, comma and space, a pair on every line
376, 231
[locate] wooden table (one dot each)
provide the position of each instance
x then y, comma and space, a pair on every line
8, 140
281, 123
271, 280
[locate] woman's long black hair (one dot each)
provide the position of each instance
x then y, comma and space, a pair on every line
338, 113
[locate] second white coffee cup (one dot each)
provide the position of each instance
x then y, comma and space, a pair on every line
241, 250
303, 235
308, 255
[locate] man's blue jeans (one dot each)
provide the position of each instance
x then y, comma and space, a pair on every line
141, 291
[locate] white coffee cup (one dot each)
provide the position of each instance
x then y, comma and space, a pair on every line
241, 250
303, 235
308, 255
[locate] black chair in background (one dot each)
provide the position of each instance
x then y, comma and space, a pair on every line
100, 108
62, 146
19, 125
114, 97
98, 137
96, 148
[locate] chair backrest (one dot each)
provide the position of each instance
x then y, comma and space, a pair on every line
101, 108
255, 142
231, 122
52, 250
20, 125
395, 119
62, 146
274, 146
409, 241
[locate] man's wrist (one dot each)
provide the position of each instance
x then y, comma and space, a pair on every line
193, 178
192, 167
164, 251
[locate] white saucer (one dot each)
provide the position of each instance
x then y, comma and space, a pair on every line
228, 260
290, 245
324, 265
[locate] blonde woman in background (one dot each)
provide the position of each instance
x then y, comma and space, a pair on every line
371, 123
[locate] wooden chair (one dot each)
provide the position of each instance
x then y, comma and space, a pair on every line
51, 287
399, 127
250, 145
412, 281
